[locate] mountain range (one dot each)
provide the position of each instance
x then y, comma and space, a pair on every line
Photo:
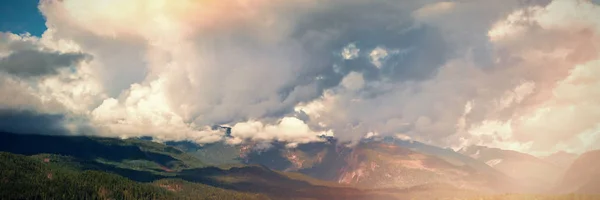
526, 169
392, 162
75, 167
376, 164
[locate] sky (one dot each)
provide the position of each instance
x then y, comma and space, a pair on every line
517, 74
21, 16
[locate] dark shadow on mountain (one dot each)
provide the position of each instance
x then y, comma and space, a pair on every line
81, 147
271, 158
136, 175
218, 153
259, 179
248, 179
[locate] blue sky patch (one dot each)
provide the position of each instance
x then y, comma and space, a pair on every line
20, 16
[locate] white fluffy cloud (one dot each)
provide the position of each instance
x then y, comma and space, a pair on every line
288, 129
535, 96
171, 70
555, 107
511, 75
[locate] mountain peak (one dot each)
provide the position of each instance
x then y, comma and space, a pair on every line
561, 158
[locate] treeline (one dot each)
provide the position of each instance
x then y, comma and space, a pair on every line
23, 177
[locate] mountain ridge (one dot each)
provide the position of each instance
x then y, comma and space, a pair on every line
583, 175
332, 161
527, 169
250, 170
78, 161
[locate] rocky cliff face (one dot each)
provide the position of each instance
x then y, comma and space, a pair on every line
377, 164
373, 163
384, 165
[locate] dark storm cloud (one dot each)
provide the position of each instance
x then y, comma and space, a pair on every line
264, 79
33, 63
24, 121
325, 33
30, 122
389, 27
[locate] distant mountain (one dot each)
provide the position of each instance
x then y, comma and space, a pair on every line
379, 164
525, 168
448, 155
373, 163
584, 174
561, 158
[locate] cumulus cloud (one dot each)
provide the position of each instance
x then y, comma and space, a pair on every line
505, 74
350, 52
288, 129
225, 63
22, 56
32, 63
555, 69
35, 75
510, 103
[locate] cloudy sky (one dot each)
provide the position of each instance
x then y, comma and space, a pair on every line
514, 74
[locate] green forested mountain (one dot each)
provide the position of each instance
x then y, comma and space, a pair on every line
41, 177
